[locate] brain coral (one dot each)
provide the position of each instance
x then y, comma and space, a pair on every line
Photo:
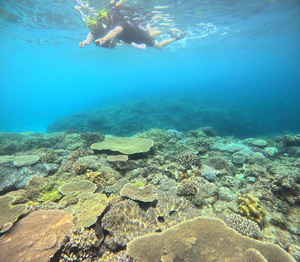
36, 237
203, 239
124, 145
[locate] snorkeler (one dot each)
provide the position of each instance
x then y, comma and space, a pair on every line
106, 30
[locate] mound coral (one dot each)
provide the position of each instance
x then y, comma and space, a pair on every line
203, 239
250, 207
242, 225
188, 187
189, 159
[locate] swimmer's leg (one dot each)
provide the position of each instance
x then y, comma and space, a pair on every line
162, 44
175, 37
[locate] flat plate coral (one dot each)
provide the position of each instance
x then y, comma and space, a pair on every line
124, 145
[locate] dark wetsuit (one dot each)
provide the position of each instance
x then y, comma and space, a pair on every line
133, 34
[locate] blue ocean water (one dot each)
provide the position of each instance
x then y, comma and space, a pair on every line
240, 57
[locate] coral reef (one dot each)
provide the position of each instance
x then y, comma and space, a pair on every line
250, 207
290, 140
72, 165
37, 236
133, 192
91, 138
10, 143
15, 178
203, 239
60, 171
217, 162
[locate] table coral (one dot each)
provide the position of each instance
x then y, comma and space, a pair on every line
124, 145
78, 187
89, 207
36, 237
9, 214
133, 192
203, 239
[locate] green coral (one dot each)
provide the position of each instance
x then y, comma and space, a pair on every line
50, 194
139, 184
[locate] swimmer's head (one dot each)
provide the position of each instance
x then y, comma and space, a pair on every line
97, 18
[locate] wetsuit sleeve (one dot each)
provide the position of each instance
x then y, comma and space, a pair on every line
121, 23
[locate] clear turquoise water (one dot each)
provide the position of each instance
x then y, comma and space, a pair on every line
243, 56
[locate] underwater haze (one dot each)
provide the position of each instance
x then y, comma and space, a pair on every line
237, 70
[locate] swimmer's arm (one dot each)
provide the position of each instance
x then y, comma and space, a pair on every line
88, 40
110, 35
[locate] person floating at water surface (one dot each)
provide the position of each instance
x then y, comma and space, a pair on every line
107, 29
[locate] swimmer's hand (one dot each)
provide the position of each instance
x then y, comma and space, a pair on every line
101, 41
83, 44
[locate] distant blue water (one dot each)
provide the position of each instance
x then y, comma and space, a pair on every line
252, 63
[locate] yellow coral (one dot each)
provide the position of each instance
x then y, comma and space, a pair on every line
250, 207
101, 177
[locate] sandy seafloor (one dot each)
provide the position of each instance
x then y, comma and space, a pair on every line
211, 171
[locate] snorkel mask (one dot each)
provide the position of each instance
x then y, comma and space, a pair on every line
97, 18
